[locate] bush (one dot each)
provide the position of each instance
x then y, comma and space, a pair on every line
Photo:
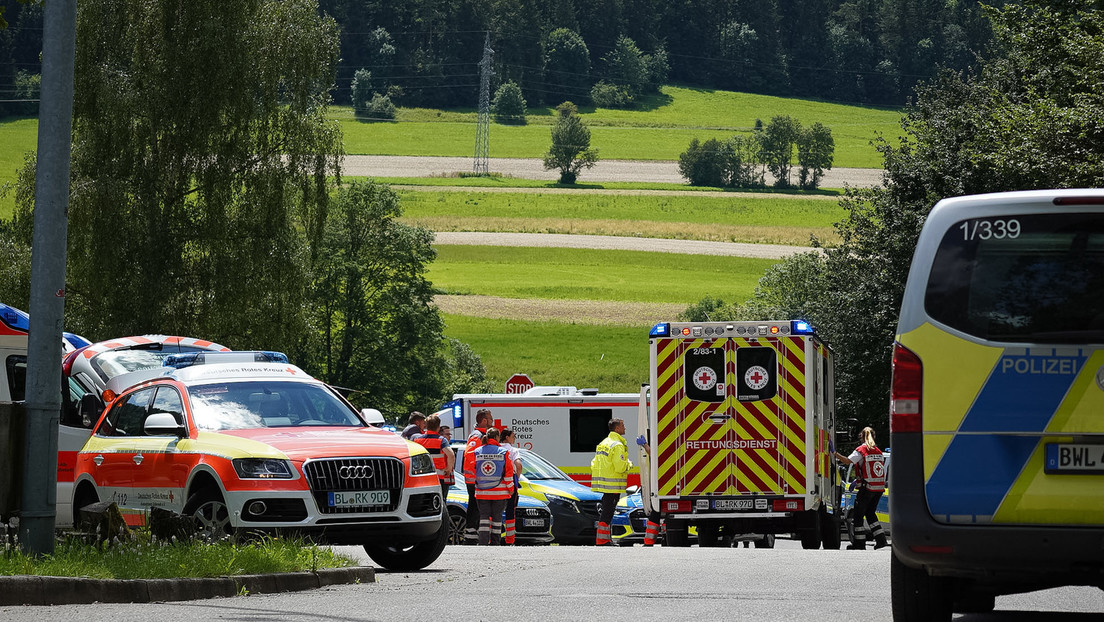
704, 164
606, 95
508, 104
380, 108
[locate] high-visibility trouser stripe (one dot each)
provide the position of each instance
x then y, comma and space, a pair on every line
650, 532
494, 494
603, 533
509, 532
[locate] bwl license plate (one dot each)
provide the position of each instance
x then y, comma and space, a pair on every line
1074, 458
734, 504
532, 522
360, 499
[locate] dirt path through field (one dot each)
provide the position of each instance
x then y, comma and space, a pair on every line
657, 171
608, 242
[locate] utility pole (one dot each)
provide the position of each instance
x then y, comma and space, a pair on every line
483, 128
47, 309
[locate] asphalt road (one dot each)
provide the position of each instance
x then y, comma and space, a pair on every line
664, 171
585, 583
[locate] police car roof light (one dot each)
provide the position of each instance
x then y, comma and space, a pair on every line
801, 327
662, 329
187, 359
15, 318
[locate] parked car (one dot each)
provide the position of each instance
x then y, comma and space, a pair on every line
574, 507
248, 447
533, 520
630, 521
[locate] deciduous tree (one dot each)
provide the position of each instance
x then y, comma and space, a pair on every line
570, 151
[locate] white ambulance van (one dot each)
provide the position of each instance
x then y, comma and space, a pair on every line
562, 424
997, 403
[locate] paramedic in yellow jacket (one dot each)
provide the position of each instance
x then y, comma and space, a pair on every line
609, 472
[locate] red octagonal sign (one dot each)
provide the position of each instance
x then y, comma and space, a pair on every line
518, 383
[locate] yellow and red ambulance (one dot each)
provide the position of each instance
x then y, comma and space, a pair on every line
254, 446
739, 418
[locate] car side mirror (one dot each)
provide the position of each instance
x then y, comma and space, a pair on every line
90, 408
632, 490
164, 424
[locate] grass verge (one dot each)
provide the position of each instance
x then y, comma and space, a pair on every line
143, 558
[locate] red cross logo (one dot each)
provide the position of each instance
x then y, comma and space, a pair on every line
756, 377
488, 468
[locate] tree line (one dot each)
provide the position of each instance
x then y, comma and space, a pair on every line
610, 52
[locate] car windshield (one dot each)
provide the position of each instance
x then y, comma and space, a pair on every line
534, 467
268, 404
116, 362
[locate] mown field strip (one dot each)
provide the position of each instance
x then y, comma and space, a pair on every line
606, 242
592, 312
609, 357
584, 274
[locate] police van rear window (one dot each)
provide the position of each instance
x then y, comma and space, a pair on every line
1036, 278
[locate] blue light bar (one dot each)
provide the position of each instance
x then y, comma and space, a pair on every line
457, 413
76, 340
15, 318
800, 327
187, 359
663, 329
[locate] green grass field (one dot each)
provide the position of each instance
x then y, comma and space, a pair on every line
612, 359
729, 217
583, 274
17, 138
659, 131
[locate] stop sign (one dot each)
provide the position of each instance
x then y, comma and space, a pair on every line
518, 383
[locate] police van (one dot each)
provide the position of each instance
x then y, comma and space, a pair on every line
997, 403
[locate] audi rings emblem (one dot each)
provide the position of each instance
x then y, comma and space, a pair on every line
360, 471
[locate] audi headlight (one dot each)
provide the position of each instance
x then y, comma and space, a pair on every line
421, 464
563, 502
262, 468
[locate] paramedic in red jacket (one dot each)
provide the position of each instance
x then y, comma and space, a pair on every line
494, 485
444, 459
870, 470
475, 439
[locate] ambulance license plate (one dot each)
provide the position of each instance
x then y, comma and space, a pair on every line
359, 499
734, 504
533, 522
1074, 458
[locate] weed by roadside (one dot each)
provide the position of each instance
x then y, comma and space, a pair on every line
144, 557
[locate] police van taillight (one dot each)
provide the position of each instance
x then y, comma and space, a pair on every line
904, 396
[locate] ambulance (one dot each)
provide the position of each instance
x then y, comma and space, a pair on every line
563, 424
739, 417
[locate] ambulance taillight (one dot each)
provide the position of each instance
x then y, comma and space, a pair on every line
904, 398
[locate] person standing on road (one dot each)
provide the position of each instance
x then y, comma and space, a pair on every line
494, 485
609, 472
415, 425
475, 439
651, 528
444, 459
870, 473
513, 454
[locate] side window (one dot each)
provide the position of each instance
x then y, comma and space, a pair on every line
17, 377
127, 417
168, 401
588, 427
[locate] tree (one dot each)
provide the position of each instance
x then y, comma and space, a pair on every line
567, 65
776, 144
626, 66
704, 164
1030, 118
508, 104
570, 151
362, 91
373, 306
201, 154
815, 151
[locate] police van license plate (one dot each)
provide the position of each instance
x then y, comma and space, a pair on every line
360, 499
1074, 458
532, 522
734, 504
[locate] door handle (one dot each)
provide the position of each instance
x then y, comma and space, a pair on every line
98, 459
138, 458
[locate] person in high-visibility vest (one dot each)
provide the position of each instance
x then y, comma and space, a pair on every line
444, 459
609, 473
494, 485
475, 439
870, 469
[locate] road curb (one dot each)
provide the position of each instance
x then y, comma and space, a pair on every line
37, 590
